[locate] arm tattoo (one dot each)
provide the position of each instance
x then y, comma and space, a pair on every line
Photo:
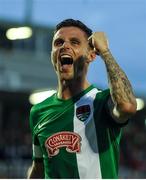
120, 87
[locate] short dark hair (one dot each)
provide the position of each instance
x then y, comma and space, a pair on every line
76, 23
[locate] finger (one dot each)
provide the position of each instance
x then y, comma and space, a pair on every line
90, 37
96, 51
90, 42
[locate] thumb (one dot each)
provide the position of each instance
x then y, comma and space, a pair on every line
92, 44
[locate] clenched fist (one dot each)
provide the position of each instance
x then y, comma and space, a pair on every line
99, 42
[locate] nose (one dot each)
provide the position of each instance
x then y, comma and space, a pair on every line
66, 44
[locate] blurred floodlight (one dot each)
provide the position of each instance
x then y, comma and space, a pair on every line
19, 33
38, 97
140, 104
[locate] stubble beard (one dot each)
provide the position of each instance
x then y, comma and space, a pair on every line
80, 67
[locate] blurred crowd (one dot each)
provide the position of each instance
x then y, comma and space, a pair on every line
133, 152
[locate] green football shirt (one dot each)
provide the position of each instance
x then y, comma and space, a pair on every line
76, 138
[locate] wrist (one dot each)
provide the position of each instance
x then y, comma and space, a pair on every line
104, 53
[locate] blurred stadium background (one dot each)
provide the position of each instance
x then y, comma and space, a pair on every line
25, 69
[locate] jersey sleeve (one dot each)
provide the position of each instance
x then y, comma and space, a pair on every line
36, 148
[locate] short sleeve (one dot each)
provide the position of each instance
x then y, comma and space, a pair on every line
36, 148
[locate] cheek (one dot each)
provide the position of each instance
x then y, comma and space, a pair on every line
82, 51
54, 57
54, 60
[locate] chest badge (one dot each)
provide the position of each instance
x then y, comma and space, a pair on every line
83, 112
69, 140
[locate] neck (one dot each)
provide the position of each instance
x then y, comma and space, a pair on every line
68, 89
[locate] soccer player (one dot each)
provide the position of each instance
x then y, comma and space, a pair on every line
76, 132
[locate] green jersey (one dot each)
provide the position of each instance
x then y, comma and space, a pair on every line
76, 138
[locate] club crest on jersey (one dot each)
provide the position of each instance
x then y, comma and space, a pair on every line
83, 112
67, 139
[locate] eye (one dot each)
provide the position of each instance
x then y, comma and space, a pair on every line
75, 42
58, 42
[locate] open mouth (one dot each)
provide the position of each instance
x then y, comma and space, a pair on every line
66, 60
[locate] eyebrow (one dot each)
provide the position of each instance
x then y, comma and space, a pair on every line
62, 39
75, 38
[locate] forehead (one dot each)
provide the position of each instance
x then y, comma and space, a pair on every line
70, 32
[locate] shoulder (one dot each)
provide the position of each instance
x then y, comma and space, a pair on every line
38, 109
40, 106
101, 101
102, 94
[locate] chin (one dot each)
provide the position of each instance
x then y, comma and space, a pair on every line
66, 76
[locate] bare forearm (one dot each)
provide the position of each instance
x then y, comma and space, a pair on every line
120, 87
36, 171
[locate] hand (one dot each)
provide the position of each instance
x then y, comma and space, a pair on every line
99, 42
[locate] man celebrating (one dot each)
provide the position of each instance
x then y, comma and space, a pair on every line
76, 132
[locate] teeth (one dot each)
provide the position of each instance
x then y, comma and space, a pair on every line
65, 56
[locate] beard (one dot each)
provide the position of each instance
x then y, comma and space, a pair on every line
80, 67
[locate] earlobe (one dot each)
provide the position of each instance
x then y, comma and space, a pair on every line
92, 56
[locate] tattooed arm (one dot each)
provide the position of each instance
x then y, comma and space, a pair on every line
122, 104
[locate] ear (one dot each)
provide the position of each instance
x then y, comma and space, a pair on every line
91, 56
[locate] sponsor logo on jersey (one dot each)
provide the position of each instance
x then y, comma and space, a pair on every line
67, 139
83, 112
